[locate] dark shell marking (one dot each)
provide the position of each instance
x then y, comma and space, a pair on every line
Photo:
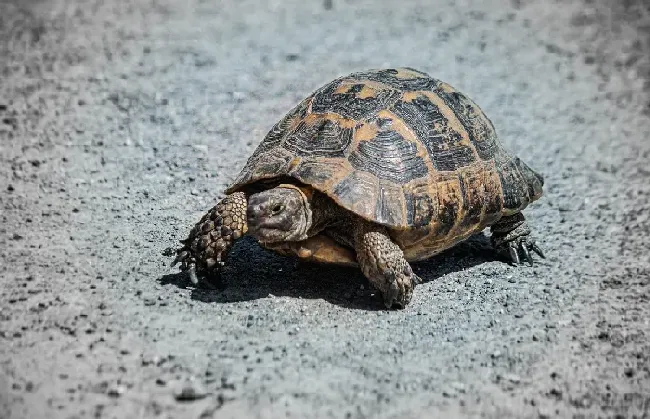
400, 148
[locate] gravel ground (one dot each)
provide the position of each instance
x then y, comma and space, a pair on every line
123, 120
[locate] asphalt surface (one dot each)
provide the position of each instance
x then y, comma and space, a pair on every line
122, 121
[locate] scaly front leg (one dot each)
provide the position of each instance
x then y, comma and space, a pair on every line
206, 248
382, 262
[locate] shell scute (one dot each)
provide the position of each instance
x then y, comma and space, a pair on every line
353, 100
385, 153
316, 136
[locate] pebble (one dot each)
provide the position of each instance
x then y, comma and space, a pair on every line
189, 390
449, 392
116, 390
544, 413
459, 387
513, 378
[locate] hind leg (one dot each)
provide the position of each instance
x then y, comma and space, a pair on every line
511, 236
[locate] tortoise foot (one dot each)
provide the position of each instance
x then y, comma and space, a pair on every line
511, 237
383, 263
397, 287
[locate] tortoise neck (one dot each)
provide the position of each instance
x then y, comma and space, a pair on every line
325, 213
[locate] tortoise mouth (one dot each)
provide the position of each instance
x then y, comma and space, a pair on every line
266, 235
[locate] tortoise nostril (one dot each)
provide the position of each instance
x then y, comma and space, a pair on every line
252, 215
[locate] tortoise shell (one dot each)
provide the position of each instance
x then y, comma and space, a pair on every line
402, 149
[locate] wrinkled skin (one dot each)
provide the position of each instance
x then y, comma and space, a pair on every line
279, 214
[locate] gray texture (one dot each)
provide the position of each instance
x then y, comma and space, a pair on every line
122, 121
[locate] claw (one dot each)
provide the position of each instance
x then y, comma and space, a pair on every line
416, 279
192, 273
180, 257
537, 250
524, 250
390, 295
514, 255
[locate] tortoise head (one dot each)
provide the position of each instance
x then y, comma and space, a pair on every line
279, 214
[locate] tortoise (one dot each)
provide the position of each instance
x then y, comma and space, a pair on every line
375, 169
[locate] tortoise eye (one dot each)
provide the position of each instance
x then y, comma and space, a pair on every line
277, 208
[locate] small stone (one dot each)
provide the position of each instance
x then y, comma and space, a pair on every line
226, 385
17, 236
150, 359
189, 390
543, 413
194, 192
449, 392
459, 387
10, 188
116, 390
513, 378
556, 392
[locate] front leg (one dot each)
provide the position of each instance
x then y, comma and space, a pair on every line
206, 248
382, 262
